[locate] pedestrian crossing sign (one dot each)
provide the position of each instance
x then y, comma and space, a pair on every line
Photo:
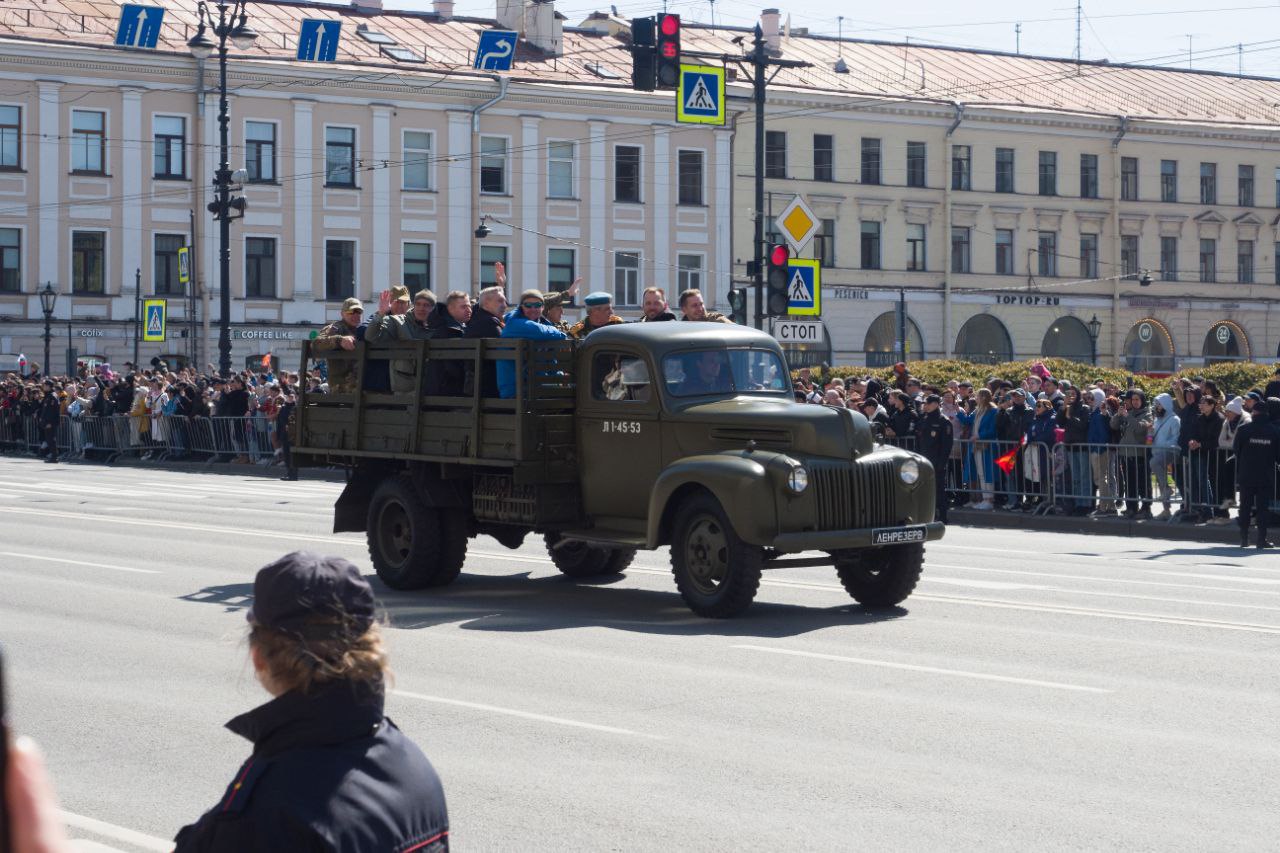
184, 265
804, 287
154, 317
700, 95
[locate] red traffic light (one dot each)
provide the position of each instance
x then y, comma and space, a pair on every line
669, 50
779, 255
670, 25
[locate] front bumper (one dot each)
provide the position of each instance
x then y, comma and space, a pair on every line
840, 540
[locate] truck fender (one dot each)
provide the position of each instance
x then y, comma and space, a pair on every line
739, 481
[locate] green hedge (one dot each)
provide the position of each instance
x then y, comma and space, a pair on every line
1231, 377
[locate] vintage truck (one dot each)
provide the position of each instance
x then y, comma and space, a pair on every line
644, 435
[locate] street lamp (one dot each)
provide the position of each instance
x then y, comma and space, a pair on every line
1095, 329
232, 24
48, 299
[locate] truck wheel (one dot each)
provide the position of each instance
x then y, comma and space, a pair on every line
453, 547
716, 572
581, 560
407, 539
882, 577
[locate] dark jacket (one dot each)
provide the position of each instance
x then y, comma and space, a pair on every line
1042, 428
934, 438
902, 422
328, 772
1188, 415
50, 411
445, 377
664, 316
484, 325
1074, 421
1205, 429
1257, 448
1272, 390
1011, 423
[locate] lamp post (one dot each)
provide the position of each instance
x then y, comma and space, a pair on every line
231, 24
1095, 329
48, 299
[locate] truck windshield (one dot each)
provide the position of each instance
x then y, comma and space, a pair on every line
724, 371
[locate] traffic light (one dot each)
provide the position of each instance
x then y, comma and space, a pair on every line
668, 63
738, 305
775, 280
643, 54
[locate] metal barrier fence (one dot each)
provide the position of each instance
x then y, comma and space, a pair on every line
249, 439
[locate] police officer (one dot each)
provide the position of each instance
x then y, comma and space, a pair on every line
1257, 449
329, 771
933, 442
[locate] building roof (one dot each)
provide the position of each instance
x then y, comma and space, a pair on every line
876, 70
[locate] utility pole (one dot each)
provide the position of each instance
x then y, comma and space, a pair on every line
137, 313
902, 325
1017, 38
759, 62
1079, 15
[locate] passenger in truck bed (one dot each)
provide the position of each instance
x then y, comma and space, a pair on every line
526, 322
448, 322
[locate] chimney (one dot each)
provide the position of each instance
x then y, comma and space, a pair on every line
543, 28
443, 9
367, 5
511, 14
770, 20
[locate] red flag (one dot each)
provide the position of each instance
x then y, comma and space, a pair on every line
266, 361
1006, 462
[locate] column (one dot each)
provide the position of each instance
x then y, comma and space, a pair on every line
381, 244
304, 248
722, 216
460, 202
598, 182
661, 207
530, 273
132, 236
49, 182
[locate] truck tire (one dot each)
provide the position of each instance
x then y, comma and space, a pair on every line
883, 577
409, 542
716, 572
577, 559
453, 547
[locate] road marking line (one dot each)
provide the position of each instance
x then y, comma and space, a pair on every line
524, 715
1268, 581
1100, 579
80, 563
1154, 559
933, 670
118, 833
173, 525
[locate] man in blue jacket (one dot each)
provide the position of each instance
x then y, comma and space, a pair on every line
527, 322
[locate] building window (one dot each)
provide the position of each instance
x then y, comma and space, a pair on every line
1244, 261
1004, 170
493, 165
416, 274
260, 267
170, 146
823, 157
416, 173
489, 257
88, 259
961, 260
260, 151
1276, 249
871, 161
1048, 173
1278, 192
560, 269
626, 173
961, 167
690, 167
88, 142
340, 156
1168, 258
560, 156
1208, 260
1169, 180
1129, 256
166, 264
915, 248
1088, 255
626, 278
916, 164
1047, 252
10, 260
339, 269
1208, 183
870, 245
689, 272
1088, 176
10, 137
1244, 182
824, 243
1129, 178
1004, 251
775, 154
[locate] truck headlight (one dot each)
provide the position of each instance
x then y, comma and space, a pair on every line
798, 479
909, 472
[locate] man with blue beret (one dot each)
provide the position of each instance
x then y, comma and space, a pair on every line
599, 314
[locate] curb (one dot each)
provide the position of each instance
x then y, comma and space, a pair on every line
265, 472
1219, 533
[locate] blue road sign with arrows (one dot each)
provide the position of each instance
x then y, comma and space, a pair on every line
318, 40
496, 51
139, 26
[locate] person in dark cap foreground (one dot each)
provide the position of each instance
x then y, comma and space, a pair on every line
329, 771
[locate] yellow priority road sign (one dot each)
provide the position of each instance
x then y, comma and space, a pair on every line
154, 318
700, 95
798, 223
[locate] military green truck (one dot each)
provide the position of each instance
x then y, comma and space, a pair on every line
644, 435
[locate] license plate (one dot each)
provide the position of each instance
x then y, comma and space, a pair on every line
897, 535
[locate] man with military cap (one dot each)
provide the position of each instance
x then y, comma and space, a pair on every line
396, 322
1257, 449
933, 441
599, 314
329, 770
342, 334
553, 305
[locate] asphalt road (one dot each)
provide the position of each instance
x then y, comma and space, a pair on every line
1039, 691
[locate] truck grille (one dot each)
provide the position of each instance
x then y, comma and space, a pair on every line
854, 495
